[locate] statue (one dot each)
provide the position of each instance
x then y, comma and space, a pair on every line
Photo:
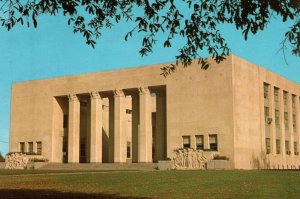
16, 161
189, 159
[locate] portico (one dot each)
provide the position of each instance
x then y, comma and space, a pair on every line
89, 112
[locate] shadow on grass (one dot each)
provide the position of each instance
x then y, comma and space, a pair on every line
53, 194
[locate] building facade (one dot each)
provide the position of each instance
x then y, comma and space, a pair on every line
236, 108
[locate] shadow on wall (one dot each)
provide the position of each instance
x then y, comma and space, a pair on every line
53, 194
261, 161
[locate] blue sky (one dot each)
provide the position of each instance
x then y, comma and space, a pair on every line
53, 50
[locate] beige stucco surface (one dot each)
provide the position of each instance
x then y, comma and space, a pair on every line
227, 100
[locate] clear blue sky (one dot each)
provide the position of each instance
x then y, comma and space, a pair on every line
53, 50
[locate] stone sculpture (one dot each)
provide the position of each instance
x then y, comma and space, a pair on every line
189, 159
16, 161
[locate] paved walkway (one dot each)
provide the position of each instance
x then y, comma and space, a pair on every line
68, 173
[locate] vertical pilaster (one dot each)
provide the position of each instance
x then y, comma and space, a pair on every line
88, 131
265, 126
206, 141
160, 137
135, 126
119, 127
273, 124
96, 128
291, 130
282, 126
298, 121
145, 130
74, 129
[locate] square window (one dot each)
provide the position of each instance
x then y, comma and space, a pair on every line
213, 142
293, 101
186, 141
285, 97
276, 94
199, 142
294, 121
268, 146
286, 120
277, 118
128, 149
30, 147
287, 147
266, 90
39, 148
277, 146
296, 148
22, 147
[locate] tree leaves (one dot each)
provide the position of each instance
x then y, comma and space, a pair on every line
199, 27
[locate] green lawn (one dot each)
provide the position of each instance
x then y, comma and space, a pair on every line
156, 184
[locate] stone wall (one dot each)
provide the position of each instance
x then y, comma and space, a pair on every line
2, 165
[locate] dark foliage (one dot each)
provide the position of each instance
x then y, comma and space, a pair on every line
200, 27
218, 157
53, 194
2, 159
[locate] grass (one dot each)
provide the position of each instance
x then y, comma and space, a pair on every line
156, 184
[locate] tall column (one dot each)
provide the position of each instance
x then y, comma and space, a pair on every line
282, 126
96, 128
135, 126
160, 130
88, 130
119, 127
291, 129
145, 130
273, 124
74, 129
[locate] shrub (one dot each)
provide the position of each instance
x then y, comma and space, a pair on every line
2, 159
218, 157
38, 160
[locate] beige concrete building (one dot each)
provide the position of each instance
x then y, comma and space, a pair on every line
241, 110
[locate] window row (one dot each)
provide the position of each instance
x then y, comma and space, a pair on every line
276, 95
212, 142
30, 148
287, 147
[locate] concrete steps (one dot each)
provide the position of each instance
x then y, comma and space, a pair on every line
101, 167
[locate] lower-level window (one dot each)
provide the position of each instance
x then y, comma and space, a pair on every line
213, 142
186, 141
277, 146
199, 142
287, 147
268, 146
128, 149
30, 147
22, 147
296, 148
38, 148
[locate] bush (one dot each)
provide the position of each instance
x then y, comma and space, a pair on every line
2, 159
38, 160
218, 157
